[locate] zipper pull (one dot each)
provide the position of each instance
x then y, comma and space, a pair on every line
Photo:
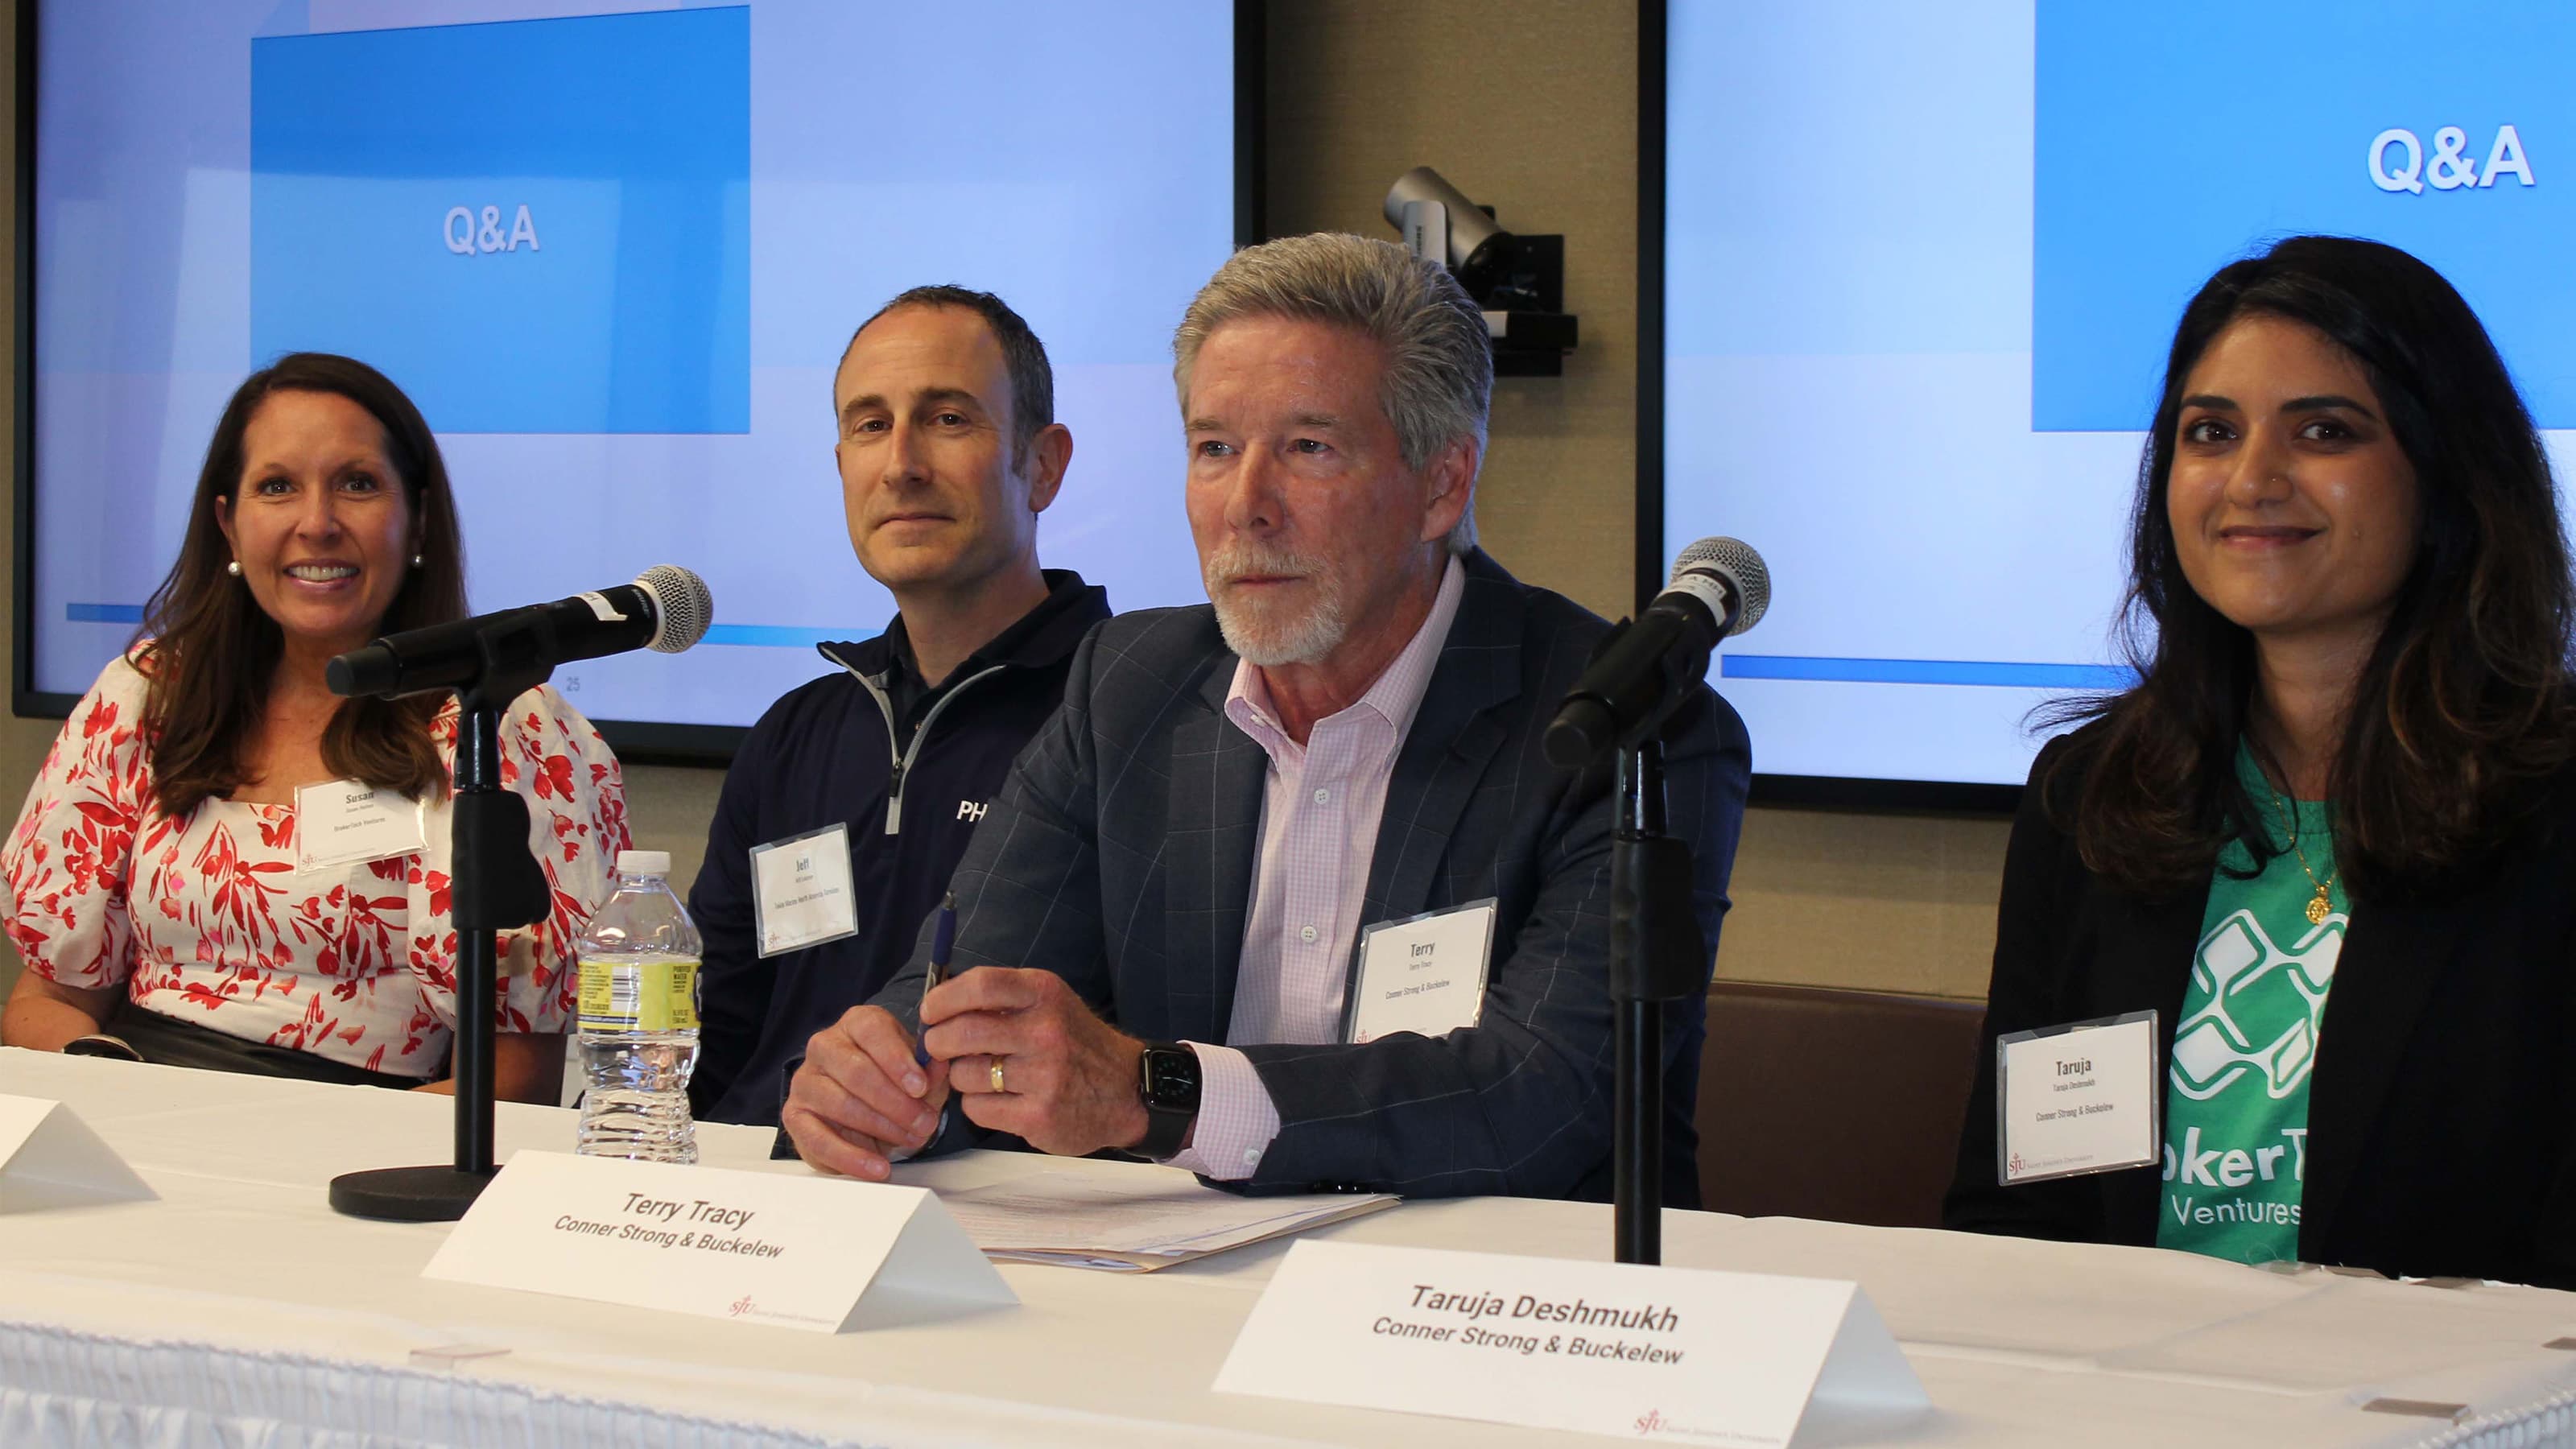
894, 800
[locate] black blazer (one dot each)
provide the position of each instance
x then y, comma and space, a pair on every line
2442, 1107
1121, 856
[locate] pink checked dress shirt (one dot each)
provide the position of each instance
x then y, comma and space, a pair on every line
1320, 805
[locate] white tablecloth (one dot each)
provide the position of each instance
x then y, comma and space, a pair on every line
239, 1310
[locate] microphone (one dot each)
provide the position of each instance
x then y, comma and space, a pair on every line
1643, 668
666, 609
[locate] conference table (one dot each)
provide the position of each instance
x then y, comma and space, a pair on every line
237, 1309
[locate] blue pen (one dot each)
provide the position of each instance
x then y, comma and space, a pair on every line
943, 939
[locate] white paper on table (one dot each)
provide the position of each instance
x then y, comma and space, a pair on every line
1084, 1220
50, 1158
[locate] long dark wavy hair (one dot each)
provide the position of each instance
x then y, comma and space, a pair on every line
210, 652
2464, 701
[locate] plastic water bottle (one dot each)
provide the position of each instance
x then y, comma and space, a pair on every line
638, 1034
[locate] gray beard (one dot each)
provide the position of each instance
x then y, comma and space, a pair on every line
1270, 643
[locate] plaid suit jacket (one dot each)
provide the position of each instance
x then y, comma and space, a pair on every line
1120, 855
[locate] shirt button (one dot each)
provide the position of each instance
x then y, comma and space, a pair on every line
1323, 797
1252, 1157
1307, 934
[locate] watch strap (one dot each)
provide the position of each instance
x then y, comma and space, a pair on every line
1167, 1128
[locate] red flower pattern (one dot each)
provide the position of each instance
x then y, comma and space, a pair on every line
206, 918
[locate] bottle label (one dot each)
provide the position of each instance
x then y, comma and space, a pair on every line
625, 996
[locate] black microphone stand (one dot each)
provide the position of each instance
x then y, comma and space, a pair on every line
1640, 673
1656, 955
497, 886
1656, 951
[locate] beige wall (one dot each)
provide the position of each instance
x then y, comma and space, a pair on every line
1528, 106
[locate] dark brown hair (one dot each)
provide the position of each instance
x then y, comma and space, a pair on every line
210, 651
1024, 357
2464, 701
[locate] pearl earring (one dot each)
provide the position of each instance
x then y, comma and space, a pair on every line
415, 560
233, 568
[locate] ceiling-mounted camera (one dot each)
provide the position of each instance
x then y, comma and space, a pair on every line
1518, 280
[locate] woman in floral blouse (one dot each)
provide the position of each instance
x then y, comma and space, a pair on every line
154, 883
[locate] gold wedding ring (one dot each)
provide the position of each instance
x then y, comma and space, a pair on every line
997, 1076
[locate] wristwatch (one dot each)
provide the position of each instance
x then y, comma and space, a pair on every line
1167, 1082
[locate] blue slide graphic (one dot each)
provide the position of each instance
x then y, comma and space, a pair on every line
2173, 138
536, 226
1993, 674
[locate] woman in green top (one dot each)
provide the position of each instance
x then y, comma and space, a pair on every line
2330, 835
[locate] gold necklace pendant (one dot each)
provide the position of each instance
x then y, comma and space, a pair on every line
2323, 905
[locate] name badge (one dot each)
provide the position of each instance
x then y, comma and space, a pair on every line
801, 890
2077, 1099
1424, 974
344, 822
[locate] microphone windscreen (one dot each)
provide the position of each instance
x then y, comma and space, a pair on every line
682, 607
1736, 559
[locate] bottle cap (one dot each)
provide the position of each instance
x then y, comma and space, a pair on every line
643, 862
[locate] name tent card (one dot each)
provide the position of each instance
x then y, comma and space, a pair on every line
50, 1158
1681, 1354
791, 1249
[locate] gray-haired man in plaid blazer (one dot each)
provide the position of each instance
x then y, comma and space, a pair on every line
1158, 921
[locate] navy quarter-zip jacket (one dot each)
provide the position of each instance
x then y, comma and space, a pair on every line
909, 771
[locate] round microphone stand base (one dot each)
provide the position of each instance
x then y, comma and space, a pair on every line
408, 1194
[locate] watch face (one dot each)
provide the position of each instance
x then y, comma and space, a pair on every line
1171, 1078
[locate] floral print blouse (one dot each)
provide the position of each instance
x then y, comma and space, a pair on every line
207, 919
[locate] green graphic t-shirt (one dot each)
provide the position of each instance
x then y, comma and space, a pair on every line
2236, 1101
